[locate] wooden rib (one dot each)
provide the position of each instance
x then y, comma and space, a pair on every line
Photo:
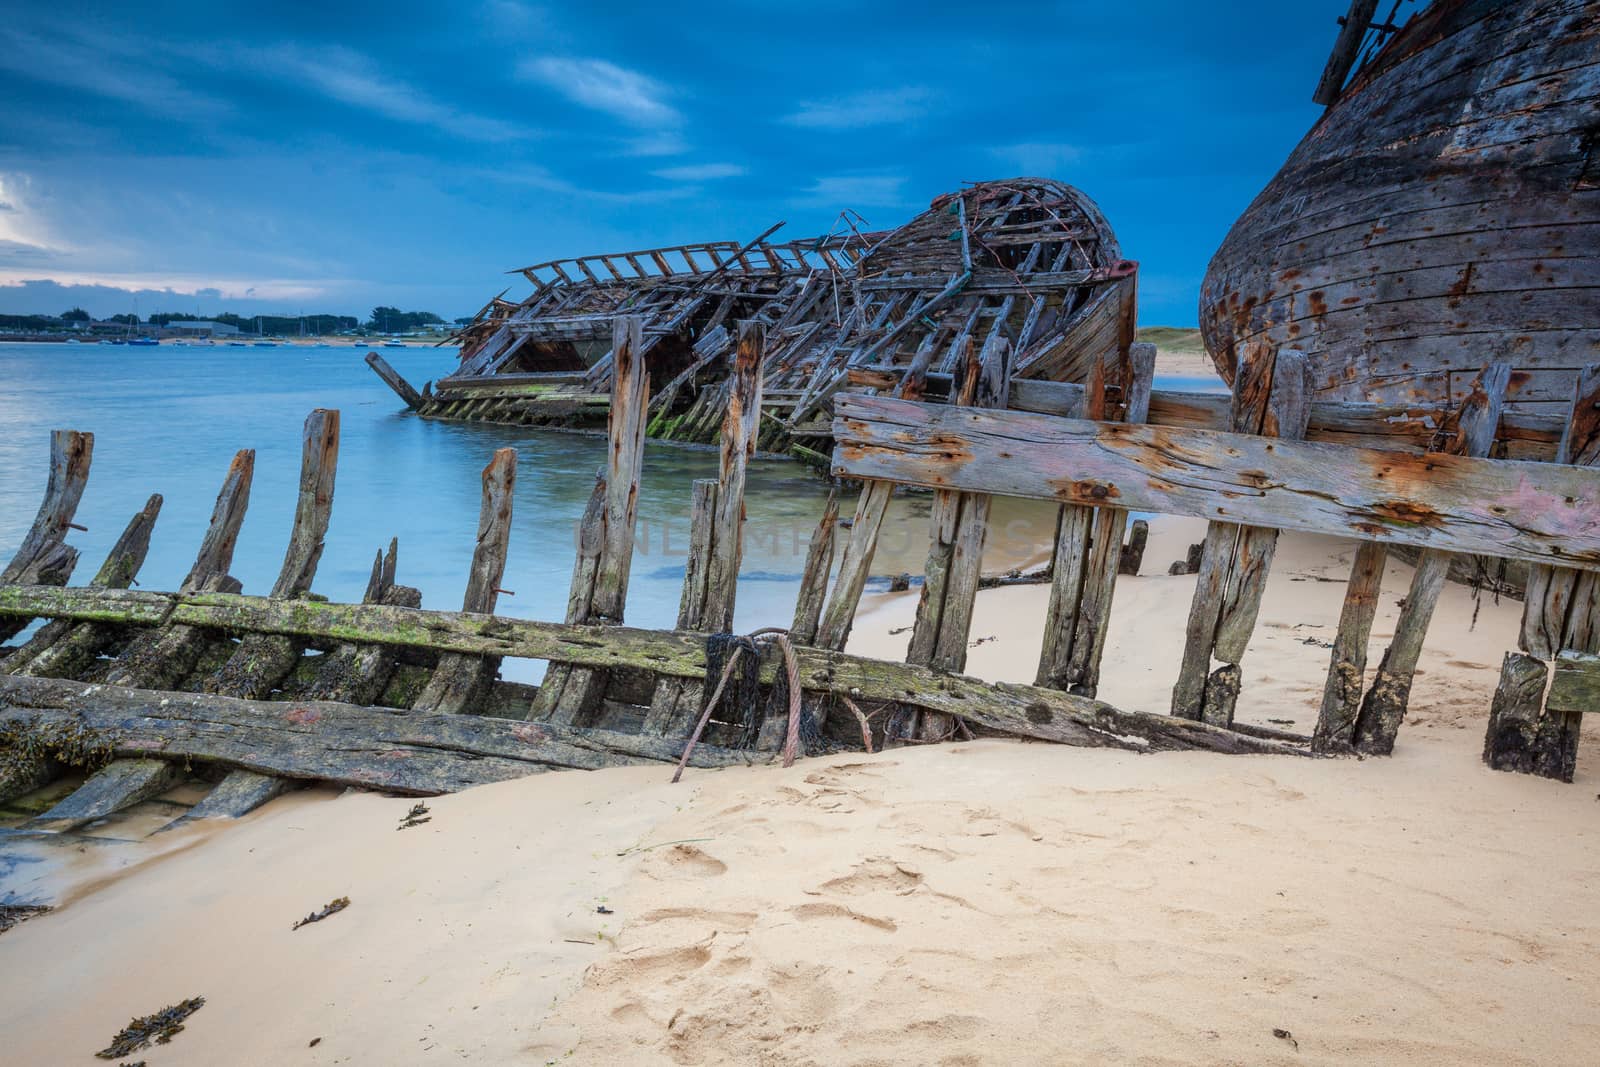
460, 682
161, 657
116, 787
1341, 695
62, 648
1384, 705
44, 556
571, 696
262, 661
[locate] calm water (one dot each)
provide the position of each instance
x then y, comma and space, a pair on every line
168, 420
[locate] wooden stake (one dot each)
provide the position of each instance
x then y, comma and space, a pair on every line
1341, 696
1384, 705
44, 557
460, 682
1272, 397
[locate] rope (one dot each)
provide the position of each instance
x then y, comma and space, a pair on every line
802, 730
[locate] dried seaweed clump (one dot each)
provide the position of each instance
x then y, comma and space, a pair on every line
160, 1028
25, 743
333, 907
12, 914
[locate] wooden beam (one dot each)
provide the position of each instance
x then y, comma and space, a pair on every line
1352, 30
393, 380
1026, 710
1531, 512
154, 733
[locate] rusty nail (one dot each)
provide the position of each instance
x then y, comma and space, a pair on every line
75, 526
507, 592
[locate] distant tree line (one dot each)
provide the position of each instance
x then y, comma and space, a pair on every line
383, 320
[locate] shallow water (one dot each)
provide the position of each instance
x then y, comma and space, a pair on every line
169, 419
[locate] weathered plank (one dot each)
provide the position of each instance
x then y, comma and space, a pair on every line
854, 566
62, 648
460, 682
570, 696
1104, 552
1026, 710
115, 787
358, 674
344, 744
814, 575
1530, 512
44, 556
393, 380
1511, 741
238, 794
161, 657
1559, 613
675, 705
1384, 705
1341, 695
261, 660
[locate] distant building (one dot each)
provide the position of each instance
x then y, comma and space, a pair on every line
201, 329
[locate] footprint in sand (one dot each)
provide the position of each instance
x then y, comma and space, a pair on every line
686, 860
876, 874
813, 912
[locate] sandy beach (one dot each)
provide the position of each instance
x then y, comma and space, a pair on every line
972, 903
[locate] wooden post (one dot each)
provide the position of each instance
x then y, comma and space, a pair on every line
960, 524
1341, 696
570, 695
1384, 705
61, 648
262, 660
837, 616
1087, 554
1560, 613
814, 575
357, 673
460, 681
159, 658
44, 557
1272, 397
393, 379
711, 582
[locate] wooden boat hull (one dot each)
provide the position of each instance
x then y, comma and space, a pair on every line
1444, 212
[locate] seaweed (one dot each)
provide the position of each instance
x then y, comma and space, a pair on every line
415, 817
333, 907
12, 914
161, 1028
24, 743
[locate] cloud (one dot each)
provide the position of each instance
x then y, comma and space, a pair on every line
702, 172
101, 66
856, 191
872, 108
353, 79
603, 86
1044, 159
171, 285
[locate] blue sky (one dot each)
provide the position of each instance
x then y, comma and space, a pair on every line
329, 157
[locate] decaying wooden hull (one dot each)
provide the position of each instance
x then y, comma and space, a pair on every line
1444, 212
1028, 259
